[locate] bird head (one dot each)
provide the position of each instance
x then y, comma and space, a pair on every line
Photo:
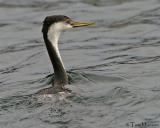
61, 22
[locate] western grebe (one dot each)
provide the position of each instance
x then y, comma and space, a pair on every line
52, 28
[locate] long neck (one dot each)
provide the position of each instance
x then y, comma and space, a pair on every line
51, 41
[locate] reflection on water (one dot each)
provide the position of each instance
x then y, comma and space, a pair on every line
112, 67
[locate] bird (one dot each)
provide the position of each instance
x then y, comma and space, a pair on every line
52, 27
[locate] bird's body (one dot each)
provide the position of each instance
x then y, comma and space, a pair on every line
52, 28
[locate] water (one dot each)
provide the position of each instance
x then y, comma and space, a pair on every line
114, 65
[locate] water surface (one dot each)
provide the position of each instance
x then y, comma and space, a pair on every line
114, 65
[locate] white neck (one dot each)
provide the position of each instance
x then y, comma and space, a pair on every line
53, 36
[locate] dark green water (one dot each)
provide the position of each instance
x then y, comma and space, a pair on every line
115, 65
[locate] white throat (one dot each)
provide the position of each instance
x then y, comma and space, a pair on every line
53, 36
54, 33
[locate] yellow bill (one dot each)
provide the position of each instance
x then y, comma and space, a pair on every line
81, 24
